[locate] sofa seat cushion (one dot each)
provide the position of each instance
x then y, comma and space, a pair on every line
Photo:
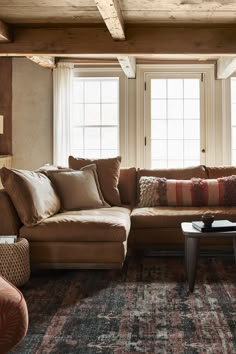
99, 225
171, 217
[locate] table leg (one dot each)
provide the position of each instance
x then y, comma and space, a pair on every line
191, 256
234, 242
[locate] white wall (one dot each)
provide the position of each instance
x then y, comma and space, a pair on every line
32, 114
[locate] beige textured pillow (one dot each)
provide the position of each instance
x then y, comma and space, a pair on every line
32, 194
78, 189
108, 171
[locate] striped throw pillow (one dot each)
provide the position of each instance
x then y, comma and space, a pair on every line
156, 191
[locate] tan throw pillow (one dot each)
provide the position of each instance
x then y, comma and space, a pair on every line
108, 171
32, 194
78, 189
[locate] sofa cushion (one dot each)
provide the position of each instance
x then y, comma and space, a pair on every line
96, 225
171, 217
78, 189
127, 185
108, 174
156, 191
32, 194
222, 171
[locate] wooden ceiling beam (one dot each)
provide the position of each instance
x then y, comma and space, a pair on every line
111, 14
5, 32
139, 40
225, 67
45, 61
128, 65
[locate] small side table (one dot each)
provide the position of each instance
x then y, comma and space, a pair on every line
14, 261
192, 237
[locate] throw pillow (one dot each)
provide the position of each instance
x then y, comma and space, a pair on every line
32, 194
157, 191
78, 189
108, 171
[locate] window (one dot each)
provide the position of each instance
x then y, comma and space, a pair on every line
95, 127
176, 119
175, 122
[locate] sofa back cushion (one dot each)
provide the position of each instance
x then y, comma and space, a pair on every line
78, 189
32, 194
172, 173
108, 171
127, 185
156, 191
222, 171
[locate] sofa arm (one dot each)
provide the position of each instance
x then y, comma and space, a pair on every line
9, 219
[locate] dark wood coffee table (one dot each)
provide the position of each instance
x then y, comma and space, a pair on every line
192, 238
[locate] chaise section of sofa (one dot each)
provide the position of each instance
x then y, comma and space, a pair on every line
94, 238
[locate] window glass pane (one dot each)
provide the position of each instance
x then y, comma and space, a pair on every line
175, 109
109, 91
159, 163
191, 88
92, 154
92, 138
188, 163
175, 163
191, 109
233, 138
78, 114
175, 129
92, 114
159, 129
191, 150
77, 138
92, 91
233, 120
175, 149
108, 153
233, 90
233, 113
158, 109
175, 88
77, 153
110, 114
78, 91
109, 138
191, 129
158, 88
159, 149
233, 153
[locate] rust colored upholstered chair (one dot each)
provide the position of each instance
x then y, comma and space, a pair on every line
13, 316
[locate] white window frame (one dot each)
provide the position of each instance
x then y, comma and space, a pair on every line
144, 72
123, 96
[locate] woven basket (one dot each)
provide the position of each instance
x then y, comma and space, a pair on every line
14, 261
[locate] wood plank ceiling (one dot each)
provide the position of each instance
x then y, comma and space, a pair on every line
28, 12
38, 25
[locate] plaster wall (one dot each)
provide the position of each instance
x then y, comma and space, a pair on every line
32, 114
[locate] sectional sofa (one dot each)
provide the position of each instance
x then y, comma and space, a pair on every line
100, 237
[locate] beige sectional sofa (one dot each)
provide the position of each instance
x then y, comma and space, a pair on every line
99, 238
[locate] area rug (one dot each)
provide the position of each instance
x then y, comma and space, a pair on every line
145, 307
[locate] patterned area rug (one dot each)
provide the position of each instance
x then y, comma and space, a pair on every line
144, 308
